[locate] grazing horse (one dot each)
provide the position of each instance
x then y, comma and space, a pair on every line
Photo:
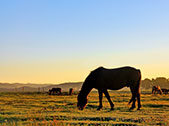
70, 91
113, 79
165, 91
156, 89
55, 91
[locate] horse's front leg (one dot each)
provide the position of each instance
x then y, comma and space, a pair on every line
108, 98
100, 99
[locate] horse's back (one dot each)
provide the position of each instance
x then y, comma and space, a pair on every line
115, 78
117, 73
56, 89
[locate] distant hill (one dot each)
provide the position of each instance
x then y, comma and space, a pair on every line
18, 85
65, 86
7, 87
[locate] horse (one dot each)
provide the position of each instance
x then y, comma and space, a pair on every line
55, 91
103, 79
165, 91
70, 91
156, 89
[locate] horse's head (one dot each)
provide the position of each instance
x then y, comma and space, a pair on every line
82, 101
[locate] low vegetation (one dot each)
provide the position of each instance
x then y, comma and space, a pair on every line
41, 109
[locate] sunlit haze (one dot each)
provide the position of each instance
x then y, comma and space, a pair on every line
62, 41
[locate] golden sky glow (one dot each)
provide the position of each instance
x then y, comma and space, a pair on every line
75, 70
62, 41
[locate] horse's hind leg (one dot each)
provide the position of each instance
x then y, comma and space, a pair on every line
100, 99
133, 99
108, 98
138, 100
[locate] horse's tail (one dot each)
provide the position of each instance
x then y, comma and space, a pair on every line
137, 88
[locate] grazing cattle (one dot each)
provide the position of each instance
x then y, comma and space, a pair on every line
156, 90
113, 79
70, 91
165, 91
55, 91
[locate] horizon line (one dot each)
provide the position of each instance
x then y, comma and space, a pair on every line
65, 81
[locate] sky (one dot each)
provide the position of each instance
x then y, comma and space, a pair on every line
56, 41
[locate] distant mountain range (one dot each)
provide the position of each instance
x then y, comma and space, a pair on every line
8, 87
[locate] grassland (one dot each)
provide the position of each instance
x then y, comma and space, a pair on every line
40, 109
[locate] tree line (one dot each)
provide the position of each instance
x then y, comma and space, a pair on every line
161, 81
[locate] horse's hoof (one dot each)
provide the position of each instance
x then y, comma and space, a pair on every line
131, 108
99, 107
111, 109
138, 109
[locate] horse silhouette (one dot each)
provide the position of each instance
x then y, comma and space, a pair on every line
165, 91
55, 91
157, 89
113, 79
70, 91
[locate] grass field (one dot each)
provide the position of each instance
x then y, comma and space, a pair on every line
31, 109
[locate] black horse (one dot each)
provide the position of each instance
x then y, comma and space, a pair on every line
70, 91
55, 91
165, 91
113, 79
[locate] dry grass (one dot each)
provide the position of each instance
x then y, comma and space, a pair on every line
40, 109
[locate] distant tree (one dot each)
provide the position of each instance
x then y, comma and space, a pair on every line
162, 82
153, 81
159, 81
146, 83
